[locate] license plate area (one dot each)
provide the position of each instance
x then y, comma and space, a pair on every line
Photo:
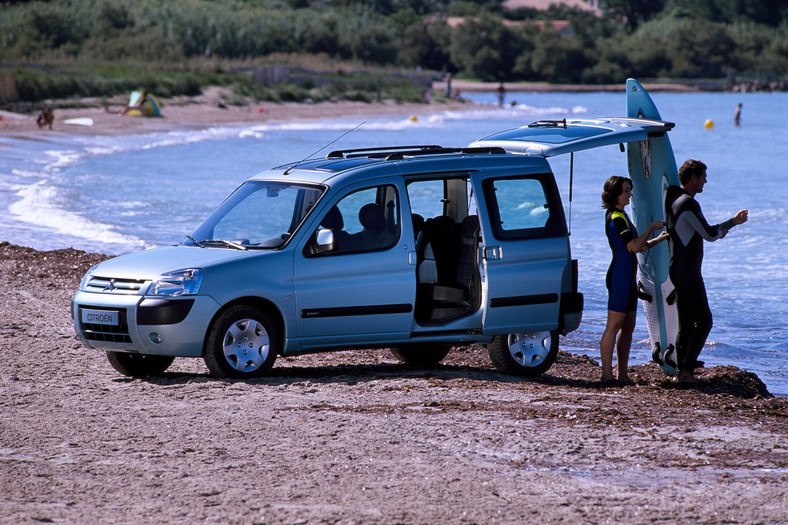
95, 324
102, 317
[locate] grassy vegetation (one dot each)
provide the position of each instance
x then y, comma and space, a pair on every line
363, 50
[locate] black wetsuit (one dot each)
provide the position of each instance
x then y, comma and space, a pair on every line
688, 228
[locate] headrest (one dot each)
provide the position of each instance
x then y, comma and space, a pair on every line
469, 225
371, 217
333, 219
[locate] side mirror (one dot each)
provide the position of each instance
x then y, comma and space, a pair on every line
325, 241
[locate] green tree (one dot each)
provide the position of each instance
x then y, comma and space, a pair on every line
701, 49
633, 12
558, 58
485, 48
767, 12
426, 45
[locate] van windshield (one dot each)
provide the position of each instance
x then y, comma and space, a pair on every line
258, 215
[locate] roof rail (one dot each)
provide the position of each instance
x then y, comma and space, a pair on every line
400, 152
371, 152
488, 150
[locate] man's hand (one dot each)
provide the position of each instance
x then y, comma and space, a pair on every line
741, 217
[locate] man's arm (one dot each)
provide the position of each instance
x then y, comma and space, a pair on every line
740, 218
691, 220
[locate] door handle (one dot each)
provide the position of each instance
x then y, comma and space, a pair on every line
493, 253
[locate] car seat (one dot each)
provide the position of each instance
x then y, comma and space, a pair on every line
374, 233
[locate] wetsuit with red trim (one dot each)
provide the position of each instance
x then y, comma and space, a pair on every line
622, 273
688, 229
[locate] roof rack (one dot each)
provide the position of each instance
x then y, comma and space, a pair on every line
467, 151
400, 152
371, 152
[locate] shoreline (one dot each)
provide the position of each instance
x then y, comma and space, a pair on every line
546, 87
208, 109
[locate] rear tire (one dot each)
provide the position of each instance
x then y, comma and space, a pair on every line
139, 365
421, 355
524, 354
243, 343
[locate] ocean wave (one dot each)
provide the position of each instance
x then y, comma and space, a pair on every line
38, 205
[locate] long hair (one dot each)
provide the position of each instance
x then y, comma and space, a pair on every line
614, 187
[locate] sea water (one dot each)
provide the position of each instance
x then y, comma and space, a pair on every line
125, 193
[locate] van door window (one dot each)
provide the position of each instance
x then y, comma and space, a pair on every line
363, 221
524, 208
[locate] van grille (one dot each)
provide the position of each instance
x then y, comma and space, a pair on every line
98, 284
106, 333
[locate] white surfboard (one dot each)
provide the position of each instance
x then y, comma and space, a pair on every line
652, 168
79, 121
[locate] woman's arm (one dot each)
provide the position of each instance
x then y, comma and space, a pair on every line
643, 243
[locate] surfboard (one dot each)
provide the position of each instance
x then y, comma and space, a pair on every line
79, 121
652, 168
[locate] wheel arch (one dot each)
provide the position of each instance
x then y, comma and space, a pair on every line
262, 304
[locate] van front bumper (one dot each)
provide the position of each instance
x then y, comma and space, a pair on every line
143, 324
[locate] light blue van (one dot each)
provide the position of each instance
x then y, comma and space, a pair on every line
417, 248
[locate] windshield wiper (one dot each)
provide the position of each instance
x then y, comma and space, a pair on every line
222, 242
195, 241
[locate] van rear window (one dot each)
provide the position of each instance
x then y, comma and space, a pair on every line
524, 207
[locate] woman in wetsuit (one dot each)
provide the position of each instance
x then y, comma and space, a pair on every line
621, 275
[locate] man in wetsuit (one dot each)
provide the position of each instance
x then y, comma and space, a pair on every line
688, 228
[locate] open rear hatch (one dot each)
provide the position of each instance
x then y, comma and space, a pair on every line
548, 138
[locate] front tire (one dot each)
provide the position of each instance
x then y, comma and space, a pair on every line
421, 355
138, 365
524, 354
243, 343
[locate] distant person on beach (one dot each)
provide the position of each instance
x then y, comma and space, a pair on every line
621, 275
737, 115
501, 94
688, 229
45, 118
137, 105
448, 85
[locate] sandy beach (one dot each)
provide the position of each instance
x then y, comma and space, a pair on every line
209, 110
356, 437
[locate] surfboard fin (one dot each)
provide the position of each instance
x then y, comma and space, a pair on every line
671, 298
643, 294
656, 354
669, 356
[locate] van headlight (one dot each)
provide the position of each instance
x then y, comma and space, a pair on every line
180, 282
